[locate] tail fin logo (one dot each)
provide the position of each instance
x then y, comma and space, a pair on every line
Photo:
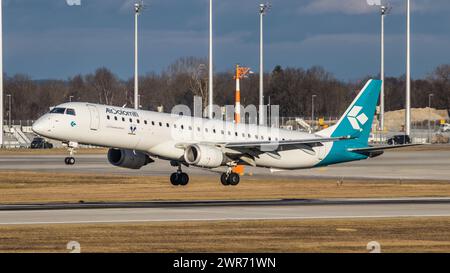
356, 119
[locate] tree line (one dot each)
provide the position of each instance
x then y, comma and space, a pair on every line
291, 88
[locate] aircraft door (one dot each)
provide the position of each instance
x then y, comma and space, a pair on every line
95, 117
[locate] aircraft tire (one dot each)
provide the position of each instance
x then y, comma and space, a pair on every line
234, 179
183, 179
174, 179
69, 161
224, 179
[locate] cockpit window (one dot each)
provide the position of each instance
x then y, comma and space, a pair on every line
70, 112
58, 110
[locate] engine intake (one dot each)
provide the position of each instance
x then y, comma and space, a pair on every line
128, 159
204, 156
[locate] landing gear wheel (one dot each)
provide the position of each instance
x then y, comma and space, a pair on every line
234, 179
179, 179
69, 161
174, 179
224, 179
183, 179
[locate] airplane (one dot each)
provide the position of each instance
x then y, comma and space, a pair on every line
136, 137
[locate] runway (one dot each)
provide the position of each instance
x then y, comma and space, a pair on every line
423, 165
413, 165
224, 211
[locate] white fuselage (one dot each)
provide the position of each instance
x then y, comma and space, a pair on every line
166, 135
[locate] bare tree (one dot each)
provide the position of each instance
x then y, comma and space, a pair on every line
194, 70
105, 85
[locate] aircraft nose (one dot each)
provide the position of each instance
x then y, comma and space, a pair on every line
40, 126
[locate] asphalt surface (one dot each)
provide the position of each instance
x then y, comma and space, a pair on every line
235, 210
420, 165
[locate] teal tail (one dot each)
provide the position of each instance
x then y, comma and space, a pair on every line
358, 118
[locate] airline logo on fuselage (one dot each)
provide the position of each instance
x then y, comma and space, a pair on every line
121, 112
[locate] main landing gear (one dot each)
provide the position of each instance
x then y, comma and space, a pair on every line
70, 160
179, 178
230, 178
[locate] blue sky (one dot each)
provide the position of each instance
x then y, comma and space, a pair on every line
50, 39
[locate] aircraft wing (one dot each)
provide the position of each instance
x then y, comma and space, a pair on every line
282, 143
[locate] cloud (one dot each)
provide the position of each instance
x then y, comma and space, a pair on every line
337, 6
359, 7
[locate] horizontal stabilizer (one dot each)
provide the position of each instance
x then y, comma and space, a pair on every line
381, 148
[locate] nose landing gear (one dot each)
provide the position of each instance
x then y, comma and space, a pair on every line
70, 160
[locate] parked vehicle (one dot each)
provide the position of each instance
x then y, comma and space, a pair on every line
40, 143
399, 140
445, 128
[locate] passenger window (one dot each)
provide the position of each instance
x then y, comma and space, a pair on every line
236, 134
223, 133
115, 118
160, 124
175, 126
123, 119
108, 118
214, 131
168, 125
198, 129
131, 120
138, 121
190, 128
153, 123
145, 122
206, 130
70, 112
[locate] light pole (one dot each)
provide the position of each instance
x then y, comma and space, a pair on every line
9, 111
408, 69
263, 8
137, 8
312, 112
70, 98
210, 80
429, 119
139, 101
1, 74
384, 12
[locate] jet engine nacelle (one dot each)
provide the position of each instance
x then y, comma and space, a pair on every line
204, 156
128, 159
